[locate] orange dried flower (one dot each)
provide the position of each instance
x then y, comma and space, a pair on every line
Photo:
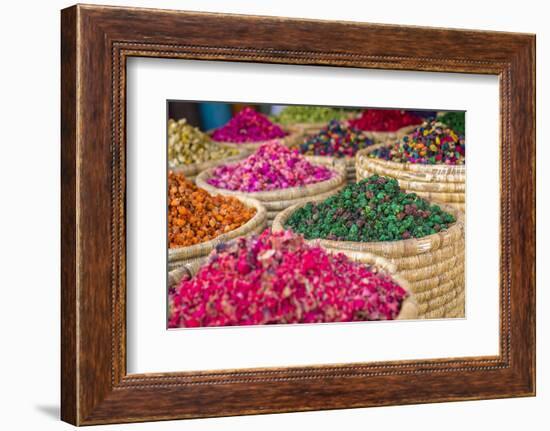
195, 216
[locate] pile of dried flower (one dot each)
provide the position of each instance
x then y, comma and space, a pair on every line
337, 139
385, 120
188, 145
272, 167
374, 209
432, 143
248, 126
195, 216
278, 278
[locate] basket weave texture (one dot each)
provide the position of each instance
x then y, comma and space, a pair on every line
348, 164
387, 137
305, 129
438, 183
191, 171
433, 266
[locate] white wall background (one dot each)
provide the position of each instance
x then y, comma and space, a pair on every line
29, 170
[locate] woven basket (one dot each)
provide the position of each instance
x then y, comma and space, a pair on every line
304, 129
349, 165
409, 308
183, 255
309, 128
191, 171
387, 137
277, 200
177, 264
187, 270
439, 183
433, 265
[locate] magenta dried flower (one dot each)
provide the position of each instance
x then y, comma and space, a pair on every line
272, 167
248, 126
276, 278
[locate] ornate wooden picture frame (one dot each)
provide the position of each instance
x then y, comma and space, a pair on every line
96, 41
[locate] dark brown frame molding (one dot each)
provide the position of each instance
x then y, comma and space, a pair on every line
95, 43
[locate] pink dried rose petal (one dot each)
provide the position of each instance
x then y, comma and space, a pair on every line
272, 167
278, 278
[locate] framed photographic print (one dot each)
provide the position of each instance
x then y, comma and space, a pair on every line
252, 206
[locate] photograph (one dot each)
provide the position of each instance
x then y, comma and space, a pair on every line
299, 214
268, 212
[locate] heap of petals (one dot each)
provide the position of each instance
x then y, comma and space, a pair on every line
278, 278
248, 126
385, 120
336, 139
272, 167
432, 143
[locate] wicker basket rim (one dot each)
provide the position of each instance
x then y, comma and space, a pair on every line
458, 225
337, 167
195, 168
457, 169
389, 133
350, 116
305, 124
257, 219
416, 181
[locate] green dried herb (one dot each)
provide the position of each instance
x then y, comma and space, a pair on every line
455, 120
311, 114
375, 209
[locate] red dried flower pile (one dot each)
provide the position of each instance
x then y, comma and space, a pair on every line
385, 120
276, 278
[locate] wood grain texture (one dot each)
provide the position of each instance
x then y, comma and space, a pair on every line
96, 42
69, 397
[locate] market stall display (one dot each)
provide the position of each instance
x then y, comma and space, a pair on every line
276, 278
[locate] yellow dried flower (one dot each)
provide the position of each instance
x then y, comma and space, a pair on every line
188, 145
